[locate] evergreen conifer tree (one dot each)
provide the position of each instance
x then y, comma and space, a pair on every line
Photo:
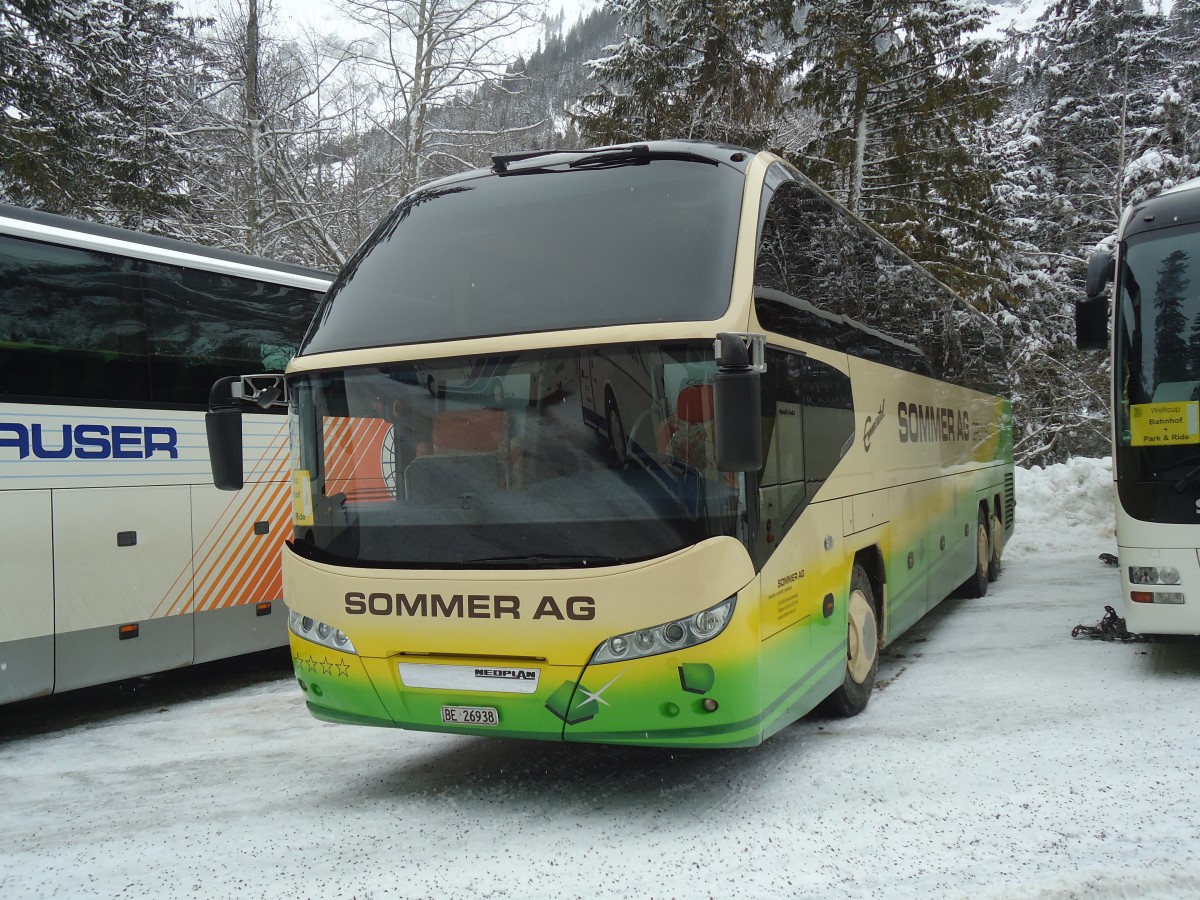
95, 109
903, 91
687, 69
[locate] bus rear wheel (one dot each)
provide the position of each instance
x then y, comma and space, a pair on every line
997, 532
862, 649
977, 584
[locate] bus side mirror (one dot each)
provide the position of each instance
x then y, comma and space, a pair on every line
224, 428
737, 406
1091, 314
223, 425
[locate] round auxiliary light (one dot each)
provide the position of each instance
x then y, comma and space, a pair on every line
705, 623
644, 640
674, 633
1143, 575
306, 623
339, 638
617, 646
1168, 575
324, 631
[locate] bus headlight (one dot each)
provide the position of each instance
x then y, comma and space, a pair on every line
1153, 575
685, 632
319, 633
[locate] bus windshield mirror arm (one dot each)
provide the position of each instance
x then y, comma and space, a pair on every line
227, 400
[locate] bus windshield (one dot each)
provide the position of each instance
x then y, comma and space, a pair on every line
547, 249
1158, 356
561, 459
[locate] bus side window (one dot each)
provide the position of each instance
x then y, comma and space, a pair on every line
71, 324
206, 325
808, 421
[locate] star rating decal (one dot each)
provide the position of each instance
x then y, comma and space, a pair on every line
324, 666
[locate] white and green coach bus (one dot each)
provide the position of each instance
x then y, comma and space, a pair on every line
770, 444
120, 558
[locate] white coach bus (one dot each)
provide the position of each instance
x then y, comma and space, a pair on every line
1154, 275
120, 558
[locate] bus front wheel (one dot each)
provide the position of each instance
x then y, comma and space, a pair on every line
862, 649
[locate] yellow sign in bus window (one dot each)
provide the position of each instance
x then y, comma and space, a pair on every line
1153, 424
302, 508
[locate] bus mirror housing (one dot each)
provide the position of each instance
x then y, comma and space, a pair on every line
224, 428
737, 401
227, 400
1091, 314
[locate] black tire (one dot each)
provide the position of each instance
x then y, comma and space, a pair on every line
862, 649
976, 585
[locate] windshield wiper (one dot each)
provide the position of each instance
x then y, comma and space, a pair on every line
548, 560
1192, 476
629, 155
635, 155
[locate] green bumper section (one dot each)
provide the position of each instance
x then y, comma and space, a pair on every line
683, 699
699, 697
518, 714
336, 686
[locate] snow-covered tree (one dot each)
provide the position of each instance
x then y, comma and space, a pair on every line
424, 55
93, 114
1082, 137
272, 113
903, 90
706, 70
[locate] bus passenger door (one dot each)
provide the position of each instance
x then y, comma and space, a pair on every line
26, 567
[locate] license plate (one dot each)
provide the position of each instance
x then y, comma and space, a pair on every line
470, 715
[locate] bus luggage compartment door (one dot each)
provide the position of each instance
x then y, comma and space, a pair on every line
122, 557
27, 622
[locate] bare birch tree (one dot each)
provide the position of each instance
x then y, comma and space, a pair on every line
267, 125
424, 54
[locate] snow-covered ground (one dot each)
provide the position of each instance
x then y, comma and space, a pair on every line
999, 758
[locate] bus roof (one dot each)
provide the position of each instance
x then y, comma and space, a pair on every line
110, 232
1179, 205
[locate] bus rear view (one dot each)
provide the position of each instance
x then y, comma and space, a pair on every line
1156, 405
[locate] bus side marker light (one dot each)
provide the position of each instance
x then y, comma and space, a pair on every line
126, 632
827, 606
263, 609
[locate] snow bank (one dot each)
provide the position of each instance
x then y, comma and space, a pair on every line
1064, 506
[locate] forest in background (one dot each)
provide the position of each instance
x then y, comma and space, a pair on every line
998, 163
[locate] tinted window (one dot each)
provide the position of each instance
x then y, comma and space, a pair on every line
824, 277
551, 249
83, 325
71, 324
562, 458
808, 425
204, 325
